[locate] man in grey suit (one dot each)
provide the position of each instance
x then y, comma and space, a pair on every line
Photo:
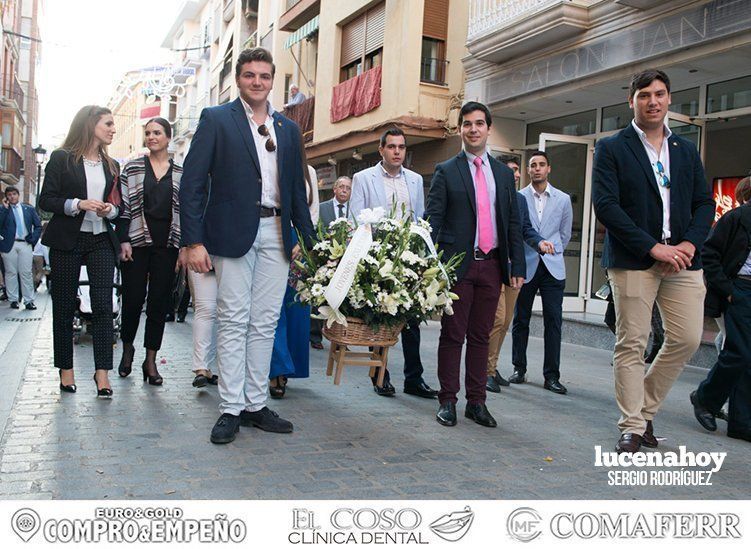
552, 216
389, 184
327, 212
339, 205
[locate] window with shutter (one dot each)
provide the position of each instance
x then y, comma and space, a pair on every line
362, 42
435, 19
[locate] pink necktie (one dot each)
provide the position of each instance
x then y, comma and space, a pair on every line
484, 222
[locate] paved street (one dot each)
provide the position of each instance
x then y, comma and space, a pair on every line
153, 442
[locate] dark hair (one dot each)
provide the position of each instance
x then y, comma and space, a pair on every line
254, 54
392, 131
163, 123
645, 78
11, 189
506, 159
473, 106
81, 135
742, 190
539, 153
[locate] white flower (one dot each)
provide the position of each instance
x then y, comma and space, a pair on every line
330, 316
410, 257
339, 221
370, 216
321, 246
317, 290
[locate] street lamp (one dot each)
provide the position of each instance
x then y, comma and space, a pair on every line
40, 152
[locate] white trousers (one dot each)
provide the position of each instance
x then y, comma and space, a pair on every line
19, 260
249, 300
203, 289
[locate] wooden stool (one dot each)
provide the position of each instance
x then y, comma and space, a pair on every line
340, 356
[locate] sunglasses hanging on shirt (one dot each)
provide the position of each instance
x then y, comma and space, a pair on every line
264, 131
663, 178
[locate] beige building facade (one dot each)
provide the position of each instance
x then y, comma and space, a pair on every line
555, 75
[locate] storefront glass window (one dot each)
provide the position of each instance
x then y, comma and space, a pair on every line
582, 123
616, 117
731, 94
685, 102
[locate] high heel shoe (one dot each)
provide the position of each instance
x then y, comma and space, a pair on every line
281, 388
126, 365
153, 380
104, 392
66, 388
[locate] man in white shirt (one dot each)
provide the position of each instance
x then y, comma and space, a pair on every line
650, 193
243, 189
389, 185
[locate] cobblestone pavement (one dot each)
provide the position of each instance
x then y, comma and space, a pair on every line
153, 442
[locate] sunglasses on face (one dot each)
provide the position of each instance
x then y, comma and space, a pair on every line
264, 131
664, 180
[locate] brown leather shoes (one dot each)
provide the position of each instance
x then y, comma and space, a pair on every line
629, 443
648, 439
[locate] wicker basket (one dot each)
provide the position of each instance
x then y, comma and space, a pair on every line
358, 333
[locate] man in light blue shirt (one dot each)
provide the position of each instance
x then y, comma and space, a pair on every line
20, 229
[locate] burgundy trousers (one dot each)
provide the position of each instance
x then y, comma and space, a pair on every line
474, 313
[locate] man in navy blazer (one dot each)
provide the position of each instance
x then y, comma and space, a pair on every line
242, 191
650, 193
472, 209
552, 216
20, 228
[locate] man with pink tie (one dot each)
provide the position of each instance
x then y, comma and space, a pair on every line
472, 208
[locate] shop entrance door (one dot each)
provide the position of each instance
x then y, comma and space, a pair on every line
571, 163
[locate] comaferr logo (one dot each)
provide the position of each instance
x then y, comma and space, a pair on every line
641, 525
681, 468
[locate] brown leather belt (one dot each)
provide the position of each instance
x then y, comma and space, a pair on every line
270, 212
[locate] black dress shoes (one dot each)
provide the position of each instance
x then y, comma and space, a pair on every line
555, 386
170, 317
316, 345
703, 416
519, 376
14, 304
266, 420
225, 429
479, 414
648, 439
446, 414
628, 443
422, 389
492, 385
180, 317
501, 380
30, 306
387, 390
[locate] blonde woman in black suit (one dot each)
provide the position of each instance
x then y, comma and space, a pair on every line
80, 191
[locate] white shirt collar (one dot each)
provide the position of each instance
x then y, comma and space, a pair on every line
249, 111
387, 174
667, 131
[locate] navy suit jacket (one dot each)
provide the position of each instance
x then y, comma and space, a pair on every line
627, 199
220, 190
452, 213
8, 227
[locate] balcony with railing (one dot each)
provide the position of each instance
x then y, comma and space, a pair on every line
433, 71
10, 166
302, 114
501, 29
298, 12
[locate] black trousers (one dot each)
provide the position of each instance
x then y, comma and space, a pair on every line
153, 268
728, 378
411, 348
316, 330
96, 252
551, 291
